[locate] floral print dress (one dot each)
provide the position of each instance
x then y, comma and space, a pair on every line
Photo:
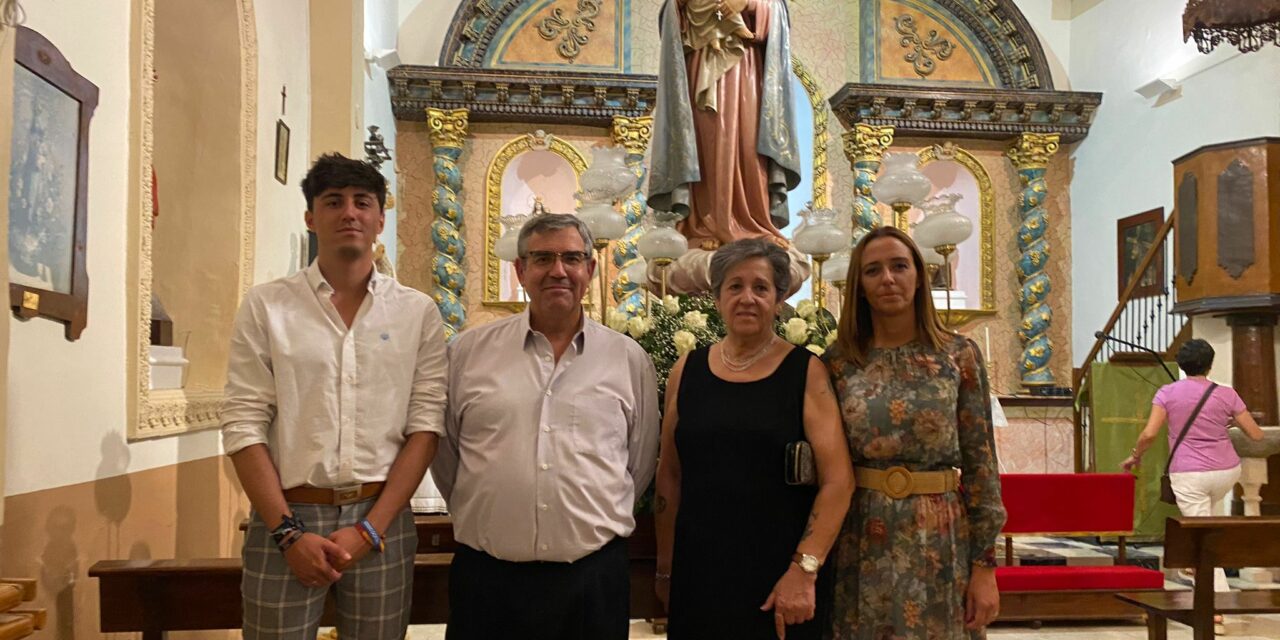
902, 566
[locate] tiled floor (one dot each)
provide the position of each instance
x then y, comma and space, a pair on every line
1239, 628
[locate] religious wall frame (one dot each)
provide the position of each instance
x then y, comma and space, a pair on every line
51, 112
156, 413
493, 205
986, 230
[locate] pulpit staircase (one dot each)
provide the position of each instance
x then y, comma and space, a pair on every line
1145, 322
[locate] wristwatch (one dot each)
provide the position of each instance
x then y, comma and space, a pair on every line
808, 564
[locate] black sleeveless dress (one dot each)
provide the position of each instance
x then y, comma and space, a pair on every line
739, 522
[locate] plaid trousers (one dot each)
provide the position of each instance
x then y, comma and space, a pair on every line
372, 597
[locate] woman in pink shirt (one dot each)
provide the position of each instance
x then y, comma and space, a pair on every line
1205, 467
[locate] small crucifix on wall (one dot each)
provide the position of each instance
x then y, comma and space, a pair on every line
284, 95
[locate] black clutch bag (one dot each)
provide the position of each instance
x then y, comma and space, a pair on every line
800, 469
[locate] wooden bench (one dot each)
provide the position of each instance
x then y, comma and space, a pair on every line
16, 620
1092, 504
1202, 544
158, 596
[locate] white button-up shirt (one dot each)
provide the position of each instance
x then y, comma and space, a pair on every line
542, 460
334, 405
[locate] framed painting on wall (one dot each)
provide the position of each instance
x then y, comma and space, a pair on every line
1134, 237
282, 152
48, 184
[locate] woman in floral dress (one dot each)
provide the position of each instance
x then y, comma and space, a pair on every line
916, 557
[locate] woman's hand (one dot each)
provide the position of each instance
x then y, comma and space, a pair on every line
982, 602
792, 599
1131, 463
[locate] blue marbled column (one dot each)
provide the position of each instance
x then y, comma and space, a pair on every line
1030, 156
865, 147
448, 130
633, 134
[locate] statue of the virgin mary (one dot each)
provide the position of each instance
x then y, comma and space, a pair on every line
724, 147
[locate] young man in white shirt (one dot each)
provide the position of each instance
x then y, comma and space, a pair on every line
551, 433
334, 403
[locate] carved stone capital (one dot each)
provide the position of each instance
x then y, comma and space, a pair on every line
632, 134
1033, 150
867, 143
447, 128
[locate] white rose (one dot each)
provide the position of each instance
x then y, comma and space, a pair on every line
831, 338
815, 349
806, 309
637, 327
616, 321
684, 341
796, 331
671, 304
695, 320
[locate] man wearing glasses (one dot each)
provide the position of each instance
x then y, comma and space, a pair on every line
551, 432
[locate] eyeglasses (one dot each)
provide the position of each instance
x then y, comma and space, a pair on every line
548, 258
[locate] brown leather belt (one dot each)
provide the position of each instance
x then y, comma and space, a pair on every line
336, 496
900, 482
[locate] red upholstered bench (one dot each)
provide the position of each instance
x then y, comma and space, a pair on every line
1069, 504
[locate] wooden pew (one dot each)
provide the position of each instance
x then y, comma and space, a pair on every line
15, 620
158, 596
1202, 544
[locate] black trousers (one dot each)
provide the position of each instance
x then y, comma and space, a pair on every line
492, 599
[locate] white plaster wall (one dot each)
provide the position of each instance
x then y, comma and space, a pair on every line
422, 28
1124, 166
283, 60
1052, 25
1215, 331
66, 400
381, 21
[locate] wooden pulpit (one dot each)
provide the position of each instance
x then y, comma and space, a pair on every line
1226, 262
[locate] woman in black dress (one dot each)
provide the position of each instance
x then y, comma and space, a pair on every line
739, 549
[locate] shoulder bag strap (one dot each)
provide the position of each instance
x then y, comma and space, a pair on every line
1187, 428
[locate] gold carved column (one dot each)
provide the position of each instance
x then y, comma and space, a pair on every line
632, 134
448, 131
865, 146
1030, 155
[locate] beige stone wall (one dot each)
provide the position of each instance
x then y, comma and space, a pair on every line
189, 510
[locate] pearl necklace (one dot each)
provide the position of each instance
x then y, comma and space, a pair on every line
742, 365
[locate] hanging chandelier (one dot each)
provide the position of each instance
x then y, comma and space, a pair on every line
1245, 24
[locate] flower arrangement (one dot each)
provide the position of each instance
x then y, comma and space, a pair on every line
678, 325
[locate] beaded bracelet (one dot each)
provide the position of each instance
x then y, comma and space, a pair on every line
293, 536
371, 536
289, 530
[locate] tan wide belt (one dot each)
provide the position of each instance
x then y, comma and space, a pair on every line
900, 482
336, 496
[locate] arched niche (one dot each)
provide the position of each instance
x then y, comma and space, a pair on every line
535, 165
972, 281
195, 110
